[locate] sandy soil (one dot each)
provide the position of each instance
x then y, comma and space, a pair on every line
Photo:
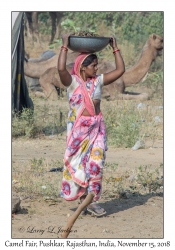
139, 216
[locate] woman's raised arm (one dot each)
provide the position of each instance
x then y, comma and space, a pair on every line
65, 77
120, 67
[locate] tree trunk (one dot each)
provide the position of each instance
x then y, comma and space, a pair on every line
29, 25
35, 25
53, 21
58, 26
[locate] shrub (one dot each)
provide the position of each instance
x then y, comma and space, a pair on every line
122, 124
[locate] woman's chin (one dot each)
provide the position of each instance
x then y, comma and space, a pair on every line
93, 75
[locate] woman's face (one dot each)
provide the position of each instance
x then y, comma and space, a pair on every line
91, 69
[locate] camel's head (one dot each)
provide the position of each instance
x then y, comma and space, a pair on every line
157, 42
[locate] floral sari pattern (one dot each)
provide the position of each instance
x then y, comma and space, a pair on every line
86, 145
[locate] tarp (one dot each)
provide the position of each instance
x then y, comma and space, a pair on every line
20, 95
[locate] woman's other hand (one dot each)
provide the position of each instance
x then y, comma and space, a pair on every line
65, 39
65, 76
113, 43
120, 67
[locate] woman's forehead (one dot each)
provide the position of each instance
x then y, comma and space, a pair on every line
95, 61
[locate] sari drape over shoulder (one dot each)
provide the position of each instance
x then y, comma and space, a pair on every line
86, 139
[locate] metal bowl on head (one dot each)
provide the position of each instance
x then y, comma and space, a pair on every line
87, 43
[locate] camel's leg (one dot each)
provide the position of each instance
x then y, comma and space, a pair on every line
39, 94
49, 89
52, 93
73, 218
120, 87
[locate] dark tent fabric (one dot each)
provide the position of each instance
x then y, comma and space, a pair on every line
20, 95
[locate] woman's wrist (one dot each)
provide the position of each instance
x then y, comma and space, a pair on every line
63, 47
116, 51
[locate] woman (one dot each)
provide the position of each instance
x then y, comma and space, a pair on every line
86, 135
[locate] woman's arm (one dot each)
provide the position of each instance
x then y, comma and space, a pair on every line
65, 77
120, 67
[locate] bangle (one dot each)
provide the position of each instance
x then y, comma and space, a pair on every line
116, 50
64, 48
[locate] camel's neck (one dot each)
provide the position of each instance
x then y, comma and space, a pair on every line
138, 71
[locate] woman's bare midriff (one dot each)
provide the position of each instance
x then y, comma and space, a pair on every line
97, 108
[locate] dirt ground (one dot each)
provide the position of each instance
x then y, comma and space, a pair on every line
138, 216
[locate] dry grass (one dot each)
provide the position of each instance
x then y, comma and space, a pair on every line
141, 180
34, 180
125, 122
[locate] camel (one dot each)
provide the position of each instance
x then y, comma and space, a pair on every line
49, 77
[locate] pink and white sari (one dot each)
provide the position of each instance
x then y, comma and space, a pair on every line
86, 141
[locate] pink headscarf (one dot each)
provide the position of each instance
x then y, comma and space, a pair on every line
77, 64
76, 71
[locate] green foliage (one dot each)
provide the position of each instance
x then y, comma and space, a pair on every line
45, 119
112, 166
46, 30
83, 20
149, 179
35, 180
122, 125
133, 26
57, 43
154, 82
37, 165
69, 25
44, 17
137, 26
145, 179
44, 23
23, 124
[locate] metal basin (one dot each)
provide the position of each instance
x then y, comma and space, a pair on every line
87, 44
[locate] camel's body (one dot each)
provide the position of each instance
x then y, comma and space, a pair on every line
36, 69
49, 77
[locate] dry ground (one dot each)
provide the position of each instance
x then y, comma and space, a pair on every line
139, 216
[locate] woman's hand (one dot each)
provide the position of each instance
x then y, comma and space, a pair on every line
65, 39
120, 66
113, 43
65, 76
